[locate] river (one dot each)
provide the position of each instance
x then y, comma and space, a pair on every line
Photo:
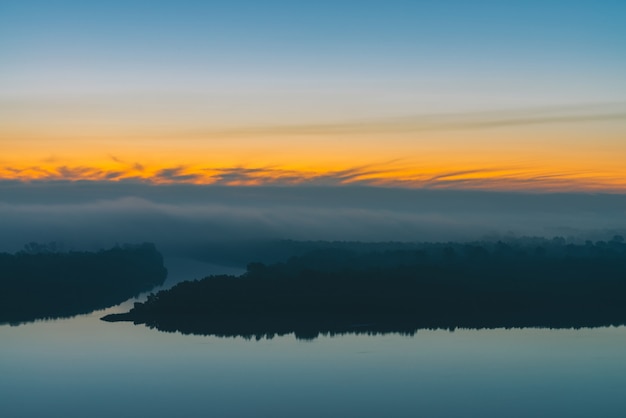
84, 367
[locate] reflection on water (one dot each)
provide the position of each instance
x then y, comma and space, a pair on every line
178, 270
85, 367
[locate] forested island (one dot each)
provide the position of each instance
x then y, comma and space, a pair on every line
340, 289
44, 282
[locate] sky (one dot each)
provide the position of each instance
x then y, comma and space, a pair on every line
490, 95
190, 122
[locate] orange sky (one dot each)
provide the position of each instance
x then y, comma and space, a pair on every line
570, 148
413, 94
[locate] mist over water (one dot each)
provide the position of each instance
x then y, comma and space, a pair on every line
121, 368
178, 217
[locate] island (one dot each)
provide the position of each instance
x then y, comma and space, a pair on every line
524, 283
43, 282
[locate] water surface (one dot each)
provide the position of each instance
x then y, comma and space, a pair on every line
82, 366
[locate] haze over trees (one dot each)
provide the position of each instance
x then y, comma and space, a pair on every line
43, 281
529, 282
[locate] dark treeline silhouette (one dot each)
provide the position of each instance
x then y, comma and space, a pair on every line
42, 281
238, 253
524, 283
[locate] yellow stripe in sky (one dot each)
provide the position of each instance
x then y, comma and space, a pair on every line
572, 148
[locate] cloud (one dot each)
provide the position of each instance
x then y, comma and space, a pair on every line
117, 160
436, 122
387, 174
182, 218
175, 174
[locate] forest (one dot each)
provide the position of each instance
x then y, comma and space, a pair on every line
42, 281
371, 289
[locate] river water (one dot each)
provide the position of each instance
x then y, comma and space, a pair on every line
84, 367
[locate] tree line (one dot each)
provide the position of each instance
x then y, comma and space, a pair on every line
538, 283
43, 281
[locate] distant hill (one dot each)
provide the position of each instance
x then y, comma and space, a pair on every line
43, 282
527, 283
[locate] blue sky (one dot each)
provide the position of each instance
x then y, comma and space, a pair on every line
549, 47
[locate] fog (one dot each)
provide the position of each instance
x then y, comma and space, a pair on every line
177, 218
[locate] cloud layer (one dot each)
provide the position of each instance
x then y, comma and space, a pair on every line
182, 217
391, 174
380, 152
